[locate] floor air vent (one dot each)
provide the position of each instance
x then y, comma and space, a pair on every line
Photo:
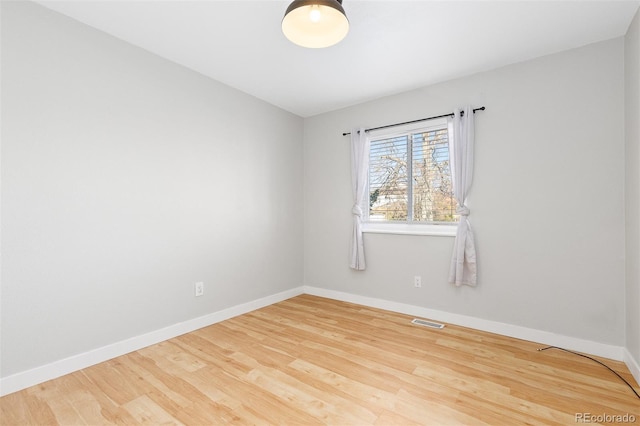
427, 323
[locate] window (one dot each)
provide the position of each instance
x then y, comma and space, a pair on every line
410, 180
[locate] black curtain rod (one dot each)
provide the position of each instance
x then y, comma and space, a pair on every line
416, 121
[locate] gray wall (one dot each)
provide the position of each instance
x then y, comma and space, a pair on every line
547, 204
126, 179
632, 186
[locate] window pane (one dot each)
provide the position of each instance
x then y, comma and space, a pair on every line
388, 180
432, 191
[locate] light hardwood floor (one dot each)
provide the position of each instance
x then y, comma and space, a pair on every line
310, 360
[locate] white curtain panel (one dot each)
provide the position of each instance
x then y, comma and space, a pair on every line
359, 176
463, 261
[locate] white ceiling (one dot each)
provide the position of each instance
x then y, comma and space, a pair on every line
393, 46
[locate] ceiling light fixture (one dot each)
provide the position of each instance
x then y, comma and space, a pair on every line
315, 23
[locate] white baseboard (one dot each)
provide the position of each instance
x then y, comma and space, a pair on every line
524, 333
59, 368
634, 366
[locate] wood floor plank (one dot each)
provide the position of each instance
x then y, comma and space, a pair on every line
373, 398
147, 412
110, 412
23, 408
314, 361
250, 403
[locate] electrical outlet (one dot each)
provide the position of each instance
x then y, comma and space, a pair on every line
417, 281
199, 288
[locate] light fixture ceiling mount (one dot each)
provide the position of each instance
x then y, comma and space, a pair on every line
315, 23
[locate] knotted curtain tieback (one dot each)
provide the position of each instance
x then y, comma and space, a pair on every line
463, 211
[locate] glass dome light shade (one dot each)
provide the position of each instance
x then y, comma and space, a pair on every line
315, 23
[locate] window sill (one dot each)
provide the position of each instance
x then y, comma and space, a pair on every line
407, 229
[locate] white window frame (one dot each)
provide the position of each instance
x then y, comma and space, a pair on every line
408, 227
